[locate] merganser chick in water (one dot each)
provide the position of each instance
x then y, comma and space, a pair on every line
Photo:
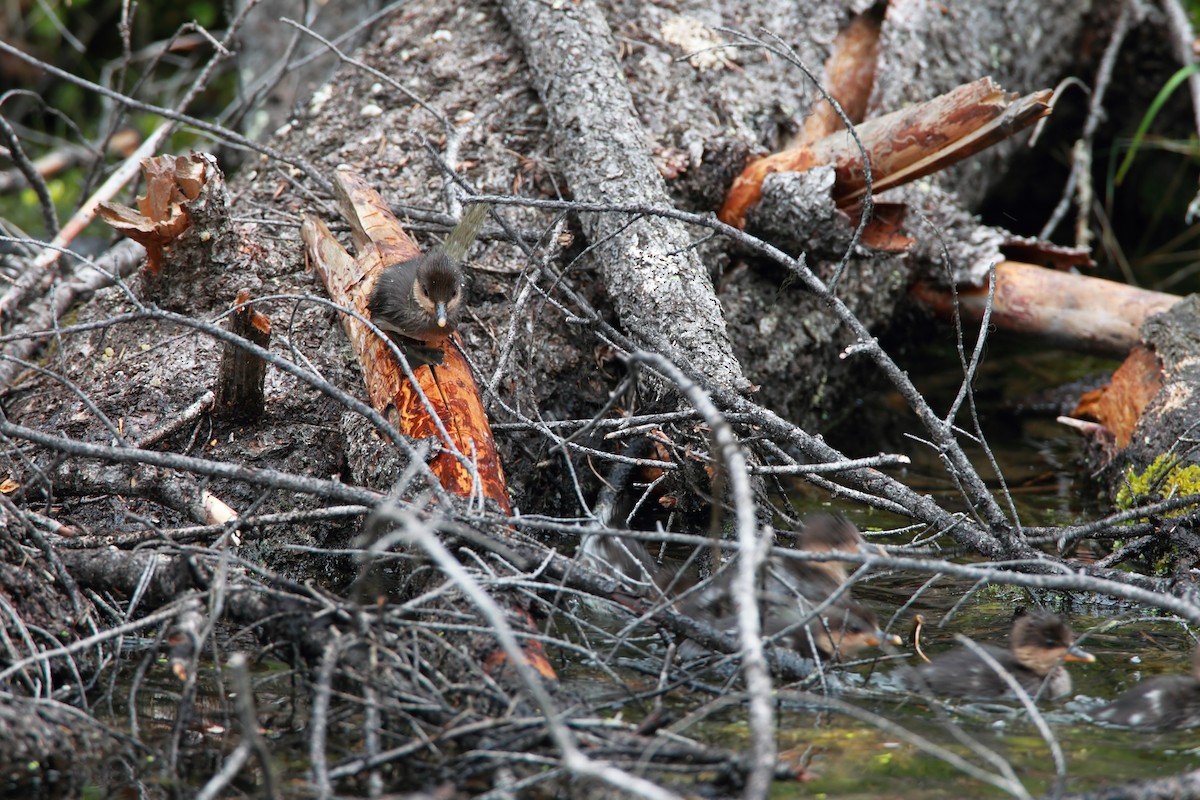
1169, 702
790, 592
1038, 644
840, 631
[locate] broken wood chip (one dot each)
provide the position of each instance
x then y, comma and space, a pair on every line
161, 215
240, 381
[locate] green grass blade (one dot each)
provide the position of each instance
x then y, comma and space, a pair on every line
1165, 92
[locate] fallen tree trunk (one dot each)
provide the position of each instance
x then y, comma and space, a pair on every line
662, 291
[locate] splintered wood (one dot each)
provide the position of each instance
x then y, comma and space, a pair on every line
161, 215
242, 373
901, 146
450, 388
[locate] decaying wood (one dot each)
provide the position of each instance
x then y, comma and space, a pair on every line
1157, 413
901, 146
849, 77
468, 464
1118, 406
161, 215
1062, 309
240, 380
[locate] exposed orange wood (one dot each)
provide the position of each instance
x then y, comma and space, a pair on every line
1119, 405
883, 230
450, 387
747, 187
849, 76
536, 658
902, 146
1063, 308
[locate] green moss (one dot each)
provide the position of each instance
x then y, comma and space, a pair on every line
1166, 477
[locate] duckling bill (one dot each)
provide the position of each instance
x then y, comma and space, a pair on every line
419, 302
1038, 644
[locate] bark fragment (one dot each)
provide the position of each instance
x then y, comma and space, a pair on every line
902, 146
1118, 406
1161, 459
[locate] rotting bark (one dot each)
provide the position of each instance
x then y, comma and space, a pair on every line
1024, 47
1147, 450
437, 401
900, 146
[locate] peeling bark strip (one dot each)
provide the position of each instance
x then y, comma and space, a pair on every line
661, 290
469, 450
240, 382
1118, 405
849, 76
902, 146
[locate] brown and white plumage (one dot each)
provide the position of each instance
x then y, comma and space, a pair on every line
1168, 702
1038, 644
419, 302
420, 298
791, 592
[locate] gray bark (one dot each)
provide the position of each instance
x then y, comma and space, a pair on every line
661, 289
